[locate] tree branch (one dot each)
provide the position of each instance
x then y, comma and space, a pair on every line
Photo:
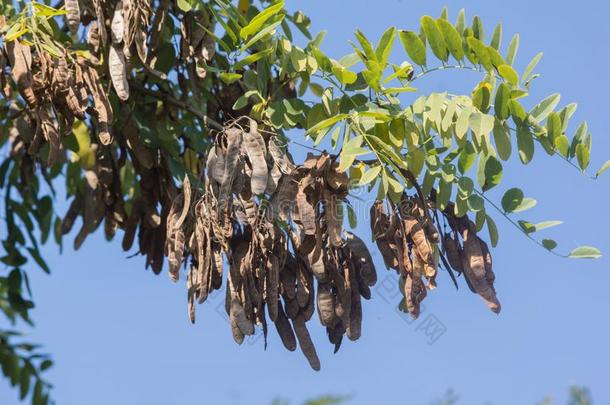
207, 121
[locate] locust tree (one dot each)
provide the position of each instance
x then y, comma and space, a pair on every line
170, 125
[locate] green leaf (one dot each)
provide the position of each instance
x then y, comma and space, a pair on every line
545, 107
370, 175
345, 76
481, 51
496, 38
257, 22
252, 58
493, 173
39, 260
513, 47
384, 48
501, 107
582, 154
452, 39
468, 156
493, 231
366, 45
184, 5
527, 227
502, 140
549, 244
460, 24
461, 125
508, 73
414, 46
477, 28
525, 144
585, 252
546, 224
526, 204
444, 194
512, 199
476, 203
434, 37
602, 169
481, 124
228, 77
260, 35
327, 123
562, 144
465, 187
530, 67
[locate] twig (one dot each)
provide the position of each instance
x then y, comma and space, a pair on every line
207, 121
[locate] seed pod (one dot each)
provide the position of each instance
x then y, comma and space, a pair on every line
305, 342
93, 36
118, 72
282, 324
452, 251
326, 305
255, 148
272, 279
280, 157
20, 58
72, 15
117, 25
414, 288
362, 258
234, 139
474, 263
416, 231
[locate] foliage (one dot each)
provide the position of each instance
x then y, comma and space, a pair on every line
120, 102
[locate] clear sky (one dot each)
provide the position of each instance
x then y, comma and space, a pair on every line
120, 335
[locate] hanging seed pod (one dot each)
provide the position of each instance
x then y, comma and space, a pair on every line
255, 148
284, 329
117, 26
305, 342
72, 15
452, 251
118, 72
20, 58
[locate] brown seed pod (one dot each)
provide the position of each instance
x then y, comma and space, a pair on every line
20, 58
255, 148
117, 25
307, 346
118, 72
452, 251
72, 15
284, 329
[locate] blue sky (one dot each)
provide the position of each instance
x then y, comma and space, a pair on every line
121, 335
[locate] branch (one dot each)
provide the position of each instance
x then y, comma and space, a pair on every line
207, 121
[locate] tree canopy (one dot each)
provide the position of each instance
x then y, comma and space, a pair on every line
170, 124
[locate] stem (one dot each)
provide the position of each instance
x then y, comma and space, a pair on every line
207, 121
515, 224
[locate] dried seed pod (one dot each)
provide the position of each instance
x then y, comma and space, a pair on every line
307, 346
118, 72
326, 305
72, 15
473, 262
452, 251
414, 288
255, 148
93, 36
362, 258
417, 233
282, 324
20, 58
117, 26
